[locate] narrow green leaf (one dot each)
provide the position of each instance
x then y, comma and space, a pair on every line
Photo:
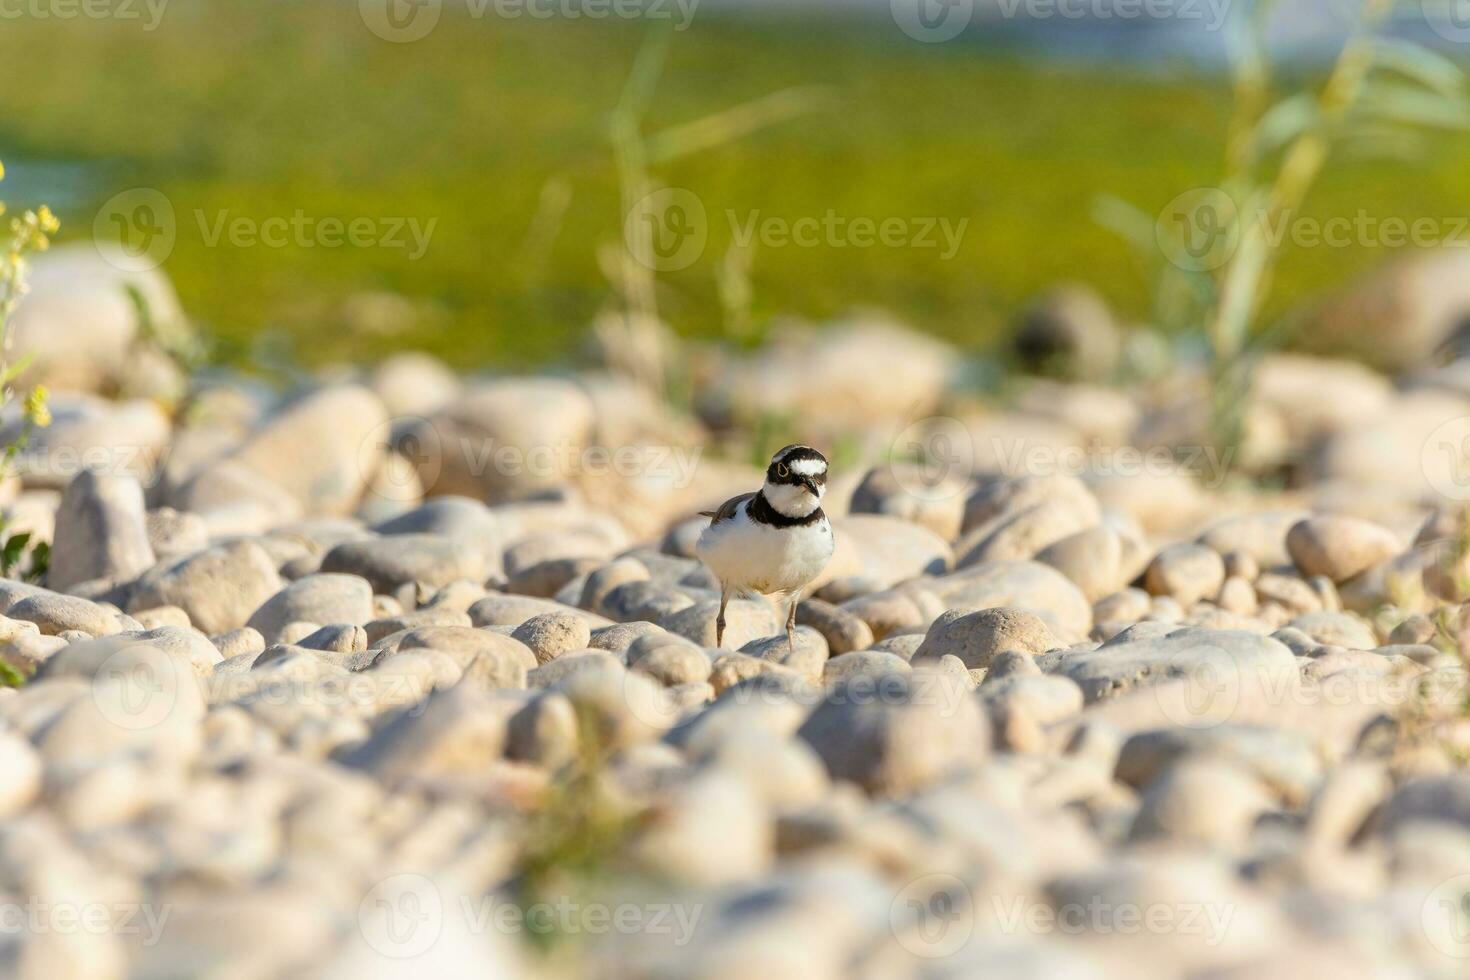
1284, 122
731, 124
1405, 104
1429, 68
1127, 221
40, 561
1372, 142
10, 676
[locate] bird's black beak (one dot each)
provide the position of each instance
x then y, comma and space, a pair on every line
811, 485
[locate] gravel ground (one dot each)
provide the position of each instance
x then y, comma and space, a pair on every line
400, 673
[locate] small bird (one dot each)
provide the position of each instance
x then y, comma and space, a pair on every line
774, 541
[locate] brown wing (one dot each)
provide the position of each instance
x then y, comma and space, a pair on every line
727, 509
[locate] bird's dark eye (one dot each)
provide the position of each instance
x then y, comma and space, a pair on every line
782, 471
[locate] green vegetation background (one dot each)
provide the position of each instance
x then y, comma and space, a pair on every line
266, 107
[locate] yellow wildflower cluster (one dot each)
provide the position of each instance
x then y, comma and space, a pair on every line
31, 231
37, 412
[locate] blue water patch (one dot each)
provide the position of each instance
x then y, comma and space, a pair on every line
1146, 34
64, 185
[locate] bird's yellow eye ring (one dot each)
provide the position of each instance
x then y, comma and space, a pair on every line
782, 471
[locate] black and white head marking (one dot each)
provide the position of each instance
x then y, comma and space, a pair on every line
796, 479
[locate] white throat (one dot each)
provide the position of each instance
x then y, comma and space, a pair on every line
790, 501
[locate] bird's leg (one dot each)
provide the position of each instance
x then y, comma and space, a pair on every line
720, 619
791, 624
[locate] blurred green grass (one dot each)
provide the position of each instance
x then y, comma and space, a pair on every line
264, 108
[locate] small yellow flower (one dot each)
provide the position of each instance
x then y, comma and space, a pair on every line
36, 408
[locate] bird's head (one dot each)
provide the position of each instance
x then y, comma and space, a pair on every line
796, 481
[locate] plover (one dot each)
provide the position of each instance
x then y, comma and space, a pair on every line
774, 541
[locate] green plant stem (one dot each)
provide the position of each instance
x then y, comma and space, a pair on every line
1244, 278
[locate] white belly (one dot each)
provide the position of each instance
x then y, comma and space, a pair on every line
761, 558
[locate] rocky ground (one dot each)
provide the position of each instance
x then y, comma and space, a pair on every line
402, 673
